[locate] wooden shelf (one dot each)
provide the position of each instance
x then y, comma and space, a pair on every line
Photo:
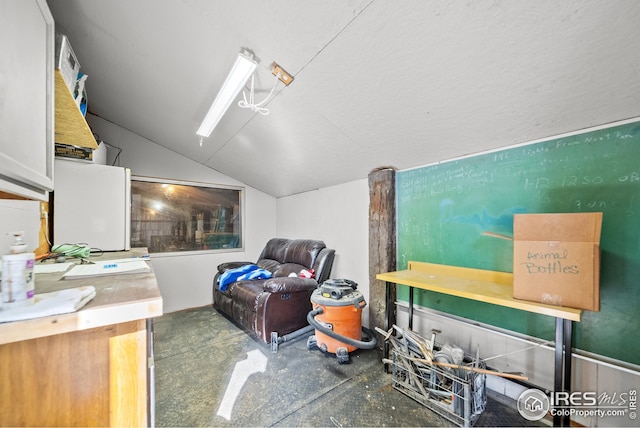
71, 127
475, 284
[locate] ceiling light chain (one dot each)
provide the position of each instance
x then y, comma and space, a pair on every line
251, 103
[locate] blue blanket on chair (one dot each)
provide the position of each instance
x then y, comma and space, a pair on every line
241, 274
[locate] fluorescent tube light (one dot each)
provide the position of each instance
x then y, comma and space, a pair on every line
242, 69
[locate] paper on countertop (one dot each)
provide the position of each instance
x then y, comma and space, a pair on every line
51, 267
126, 260
111, 267
48, 267
61, 267
53, 303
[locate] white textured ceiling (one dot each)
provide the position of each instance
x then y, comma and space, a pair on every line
377, 82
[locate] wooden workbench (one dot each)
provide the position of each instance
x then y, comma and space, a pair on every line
490, 287
86, 368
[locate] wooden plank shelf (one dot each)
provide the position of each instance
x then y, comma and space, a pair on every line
71, 128
475, 284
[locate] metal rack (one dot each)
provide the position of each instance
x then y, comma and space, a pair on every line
450, 385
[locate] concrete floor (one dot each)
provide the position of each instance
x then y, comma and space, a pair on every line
197, 350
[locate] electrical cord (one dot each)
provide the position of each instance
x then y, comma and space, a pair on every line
251, 103
45, 214
96, 252
117, 158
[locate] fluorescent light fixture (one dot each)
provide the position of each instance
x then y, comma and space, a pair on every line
243, 68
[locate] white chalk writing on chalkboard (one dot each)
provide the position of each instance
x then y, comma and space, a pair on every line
595, 170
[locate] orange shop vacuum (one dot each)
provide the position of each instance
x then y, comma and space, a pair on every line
336, 317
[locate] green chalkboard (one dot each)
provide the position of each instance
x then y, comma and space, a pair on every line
443, 210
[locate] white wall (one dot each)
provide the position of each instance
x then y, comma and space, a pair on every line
16, 216
185, 280
338, 215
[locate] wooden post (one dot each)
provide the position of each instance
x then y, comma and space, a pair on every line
382, 244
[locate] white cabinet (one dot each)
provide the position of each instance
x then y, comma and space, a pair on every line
27, 43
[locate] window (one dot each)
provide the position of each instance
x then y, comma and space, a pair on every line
177, 216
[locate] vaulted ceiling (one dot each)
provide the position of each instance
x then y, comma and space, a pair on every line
376, 82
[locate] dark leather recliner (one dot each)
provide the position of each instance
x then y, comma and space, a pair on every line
280, 303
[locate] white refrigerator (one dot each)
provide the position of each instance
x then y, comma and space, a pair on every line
91, 205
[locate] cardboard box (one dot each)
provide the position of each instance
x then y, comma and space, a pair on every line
556, 259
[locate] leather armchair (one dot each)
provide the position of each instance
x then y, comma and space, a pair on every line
280, 303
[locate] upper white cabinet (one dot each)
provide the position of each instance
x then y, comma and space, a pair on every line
27, 43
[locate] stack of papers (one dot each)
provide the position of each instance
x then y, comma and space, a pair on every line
54, 303
113, 267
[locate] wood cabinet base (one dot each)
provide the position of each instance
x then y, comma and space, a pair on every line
95, 377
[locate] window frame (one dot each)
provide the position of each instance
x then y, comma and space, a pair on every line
241, 202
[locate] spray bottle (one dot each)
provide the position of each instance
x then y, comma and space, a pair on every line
18, 284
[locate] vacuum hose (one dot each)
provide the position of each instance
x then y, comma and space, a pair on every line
297, 333
370, 344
